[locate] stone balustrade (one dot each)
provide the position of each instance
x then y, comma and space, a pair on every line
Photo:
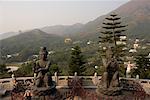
89, 82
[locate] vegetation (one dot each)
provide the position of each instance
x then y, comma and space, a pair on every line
25, 70
54, 68
113, 37
27, 44
143, 67
4, 71
113, 40
76, 63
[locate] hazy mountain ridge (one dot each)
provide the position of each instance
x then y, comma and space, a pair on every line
62, 29
33, 39
136, 15
7, 35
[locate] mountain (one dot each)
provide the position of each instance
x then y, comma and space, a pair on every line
7, 35
135, 13
63, 29
30, 42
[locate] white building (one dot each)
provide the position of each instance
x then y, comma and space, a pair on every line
137, 40
135, 45
89, 42
123, 38
51, 52
68, 40
120, 43
9, 56
129, 67
132, 50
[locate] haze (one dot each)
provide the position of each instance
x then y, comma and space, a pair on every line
25, 15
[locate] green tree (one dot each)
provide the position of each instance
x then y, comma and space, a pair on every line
25, 70
113, 39
76, 63
54, 68
4, 71
143, 67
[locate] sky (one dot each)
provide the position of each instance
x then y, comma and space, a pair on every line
29, 14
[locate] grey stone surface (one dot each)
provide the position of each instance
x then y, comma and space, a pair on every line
44, 86
109, 84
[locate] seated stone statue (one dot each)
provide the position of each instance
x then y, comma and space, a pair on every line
112, 73
110, 77
109, 84
41, 68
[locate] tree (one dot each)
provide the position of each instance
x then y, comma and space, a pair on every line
4, 71
54, 68
112, 39
25, 70
76, 63
143, 67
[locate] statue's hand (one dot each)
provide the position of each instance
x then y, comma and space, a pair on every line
39, 69
48, 65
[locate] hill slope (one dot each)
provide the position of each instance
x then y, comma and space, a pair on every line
63, 29
7, 35
31, 41
135, 13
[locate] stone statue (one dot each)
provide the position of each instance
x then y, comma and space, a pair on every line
109, 84
44, 87
112, 73
41, 68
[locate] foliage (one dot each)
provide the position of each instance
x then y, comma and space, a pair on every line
25, 70
64, 71
122, 70
59, 56
143, 67
76, 63
113, 41
112, 36
4, 71
54, 68
28, 44
90, 70
138, 28
3, 68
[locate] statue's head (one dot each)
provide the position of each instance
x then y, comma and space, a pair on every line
43, 53
109, 53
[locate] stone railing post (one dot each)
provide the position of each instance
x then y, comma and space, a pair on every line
56, 78
95, 74
34, 78
13, 81
95, 79
1, 85
75, 74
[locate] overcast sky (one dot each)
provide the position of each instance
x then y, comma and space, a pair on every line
28, 14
